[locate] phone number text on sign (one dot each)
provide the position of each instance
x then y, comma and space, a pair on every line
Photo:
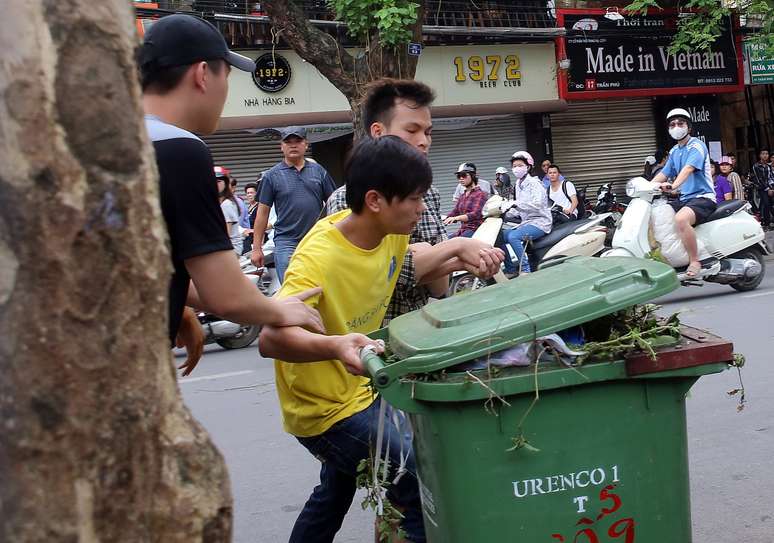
489, 71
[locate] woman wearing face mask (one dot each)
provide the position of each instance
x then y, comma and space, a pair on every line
531, 205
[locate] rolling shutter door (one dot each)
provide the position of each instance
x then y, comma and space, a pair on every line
244, 153
487, 143
602, 142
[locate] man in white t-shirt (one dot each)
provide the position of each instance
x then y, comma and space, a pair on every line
562, 193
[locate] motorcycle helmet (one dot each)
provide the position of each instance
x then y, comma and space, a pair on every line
221, 172
501, 170
679, 112
525, 156
678, 132
466, 167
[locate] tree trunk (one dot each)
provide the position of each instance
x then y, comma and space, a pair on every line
348, 74
95, 443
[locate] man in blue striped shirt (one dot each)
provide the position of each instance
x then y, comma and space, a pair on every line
298, 189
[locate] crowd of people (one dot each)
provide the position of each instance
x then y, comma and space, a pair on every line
380, 252
351, 258
537, 203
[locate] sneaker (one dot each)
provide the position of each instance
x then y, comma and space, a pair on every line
511, 275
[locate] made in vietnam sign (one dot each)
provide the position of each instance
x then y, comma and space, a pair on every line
761, 67
630, 56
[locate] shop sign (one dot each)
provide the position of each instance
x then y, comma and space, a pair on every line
490, 77
488, 70
272, 72
629, 56
761, 67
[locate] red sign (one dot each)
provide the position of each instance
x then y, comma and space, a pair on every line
628, 55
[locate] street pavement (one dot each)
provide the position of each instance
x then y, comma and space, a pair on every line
731, 454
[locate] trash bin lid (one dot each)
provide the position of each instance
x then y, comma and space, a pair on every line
571, 292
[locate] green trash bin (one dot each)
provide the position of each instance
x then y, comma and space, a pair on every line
606, 459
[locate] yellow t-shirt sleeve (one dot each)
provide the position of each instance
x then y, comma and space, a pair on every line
302, 274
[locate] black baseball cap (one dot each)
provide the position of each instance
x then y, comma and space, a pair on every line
298, 131
180, 39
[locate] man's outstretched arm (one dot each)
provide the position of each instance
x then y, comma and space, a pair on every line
294, 344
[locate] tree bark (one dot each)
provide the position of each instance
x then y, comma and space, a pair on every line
95, 443
349, 74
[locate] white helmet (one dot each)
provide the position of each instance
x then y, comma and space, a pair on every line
501, 170
525, 156
678, 112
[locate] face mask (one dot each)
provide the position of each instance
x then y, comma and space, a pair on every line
678, 132
520, 171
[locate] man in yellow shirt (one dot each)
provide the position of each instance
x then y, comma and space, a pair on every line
355, 256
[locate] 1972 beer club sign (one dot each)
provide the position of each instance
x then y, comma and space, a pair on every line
272, 72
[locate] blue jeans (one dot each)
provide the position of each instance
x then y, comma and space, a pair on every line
516, 239
340, 449
465, 234
283, 250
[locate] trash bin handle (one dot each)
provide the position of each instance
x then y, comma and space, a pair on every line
393, 390
373, 365
614, 282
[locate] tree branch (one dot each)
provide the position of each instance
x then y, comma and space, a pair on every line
313, 45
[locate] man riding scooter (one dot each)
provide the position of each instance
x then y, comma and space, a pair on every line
689, 165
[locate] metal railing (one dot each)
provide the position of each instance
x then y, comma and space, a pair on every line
245, 24
444, 13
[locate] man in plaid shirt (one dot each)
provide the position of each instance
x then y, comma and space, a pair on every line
402, 108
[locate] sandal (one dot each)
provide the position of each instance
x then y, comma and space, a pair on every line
693, 270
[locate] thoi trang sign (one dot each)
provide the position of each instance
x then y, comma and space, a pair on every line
630, 56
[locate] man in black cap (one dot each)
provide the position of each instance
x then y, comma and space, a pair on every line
184, 65
298, 189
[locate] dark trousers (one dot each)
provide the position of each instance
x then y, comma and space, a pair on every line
340, 449
765, 207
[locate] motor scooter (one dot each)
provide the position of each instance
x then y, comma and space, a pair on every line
607, 202
231, 335
584, 237
731, 242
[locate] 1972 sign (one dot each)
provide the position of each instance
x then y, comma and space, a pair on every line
272, 72
489, 70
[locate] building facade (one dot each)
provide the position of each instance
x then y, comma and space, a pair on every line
585, 87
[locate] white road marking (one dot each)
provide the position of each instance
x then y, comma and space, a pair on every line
769, 293
184, 380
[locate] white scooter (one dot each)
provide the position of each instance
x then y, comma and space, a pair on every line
731, 242
585, 237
